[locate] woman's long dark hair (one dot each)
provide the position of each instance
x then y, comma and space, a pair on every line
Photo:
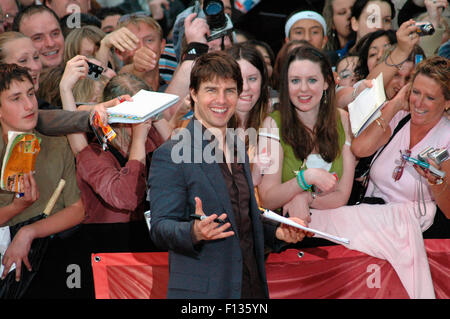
293, 131
362, 50
258, 113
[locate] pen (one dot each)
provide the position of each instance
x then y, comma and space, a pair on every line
432, 169
19, 195
202, 217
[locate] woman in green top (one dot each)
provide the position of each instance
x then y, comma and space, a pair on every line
314, 140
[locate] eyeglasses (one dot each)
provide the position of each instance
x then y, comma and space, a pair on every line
398, 170
130, 16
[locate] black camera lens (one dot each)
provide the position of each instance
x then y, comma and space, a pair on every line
215, 15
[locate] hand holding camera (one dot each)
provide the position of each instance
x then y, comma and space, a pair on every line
76, 68
434, 159
217, 24
195, 30
407, 36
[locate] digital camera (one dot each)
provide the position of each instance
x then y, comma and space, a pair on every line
95, 71
424, 28
437, 155
218, 21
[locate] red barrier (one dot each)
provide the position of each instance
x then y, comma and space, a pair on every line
324, 272
130, 275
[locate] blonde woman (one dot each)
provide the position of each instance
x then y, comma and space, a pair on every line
19, 49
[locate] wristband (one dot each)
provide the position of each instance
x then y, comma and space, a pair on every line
194, 50
300, 183
303, 180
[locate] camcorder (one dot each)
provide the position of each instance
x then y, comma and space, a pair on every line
424, 28
95, 71
437, 155
218, 21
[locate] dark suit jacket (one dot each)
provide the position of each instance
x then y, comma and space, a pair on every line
211, 269
61, 122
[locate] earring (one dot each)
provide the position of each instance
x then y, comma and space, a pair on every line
325, 97
334, 33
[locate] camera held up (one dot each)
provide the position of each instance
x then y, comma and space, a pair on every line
218, 21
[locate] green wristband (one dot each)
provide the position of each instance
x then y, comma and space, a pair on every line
300, 183
303, 180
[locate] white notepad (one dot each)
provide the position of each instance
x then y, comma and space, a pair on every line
366, 107
145, 105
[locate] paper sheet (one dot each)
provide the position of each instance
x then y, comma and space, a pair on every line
278, 218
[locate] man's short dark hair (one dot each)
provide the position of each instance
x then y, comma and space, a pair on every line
31, 10
10, 73
106, 12
215, 65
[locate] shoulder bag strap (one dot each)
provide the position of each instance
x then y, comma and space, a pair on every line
399, 126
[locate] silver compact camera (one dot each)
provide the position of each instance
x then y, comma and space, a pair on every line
437, 155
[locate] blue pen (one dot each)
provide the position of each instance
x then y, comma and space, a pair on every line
18, 195
432, 169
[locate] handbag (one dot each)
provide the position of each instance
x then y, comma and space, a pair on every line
362, 172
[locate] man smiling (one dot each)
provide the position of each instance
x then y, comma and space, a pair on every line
41, 24
227, 244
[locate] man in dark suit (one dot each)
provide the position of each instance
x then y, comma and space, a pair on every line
193, 173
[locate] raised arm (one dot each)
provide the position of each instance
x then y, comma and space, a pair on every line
407, 38
76, 68
376, 135
196, 31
